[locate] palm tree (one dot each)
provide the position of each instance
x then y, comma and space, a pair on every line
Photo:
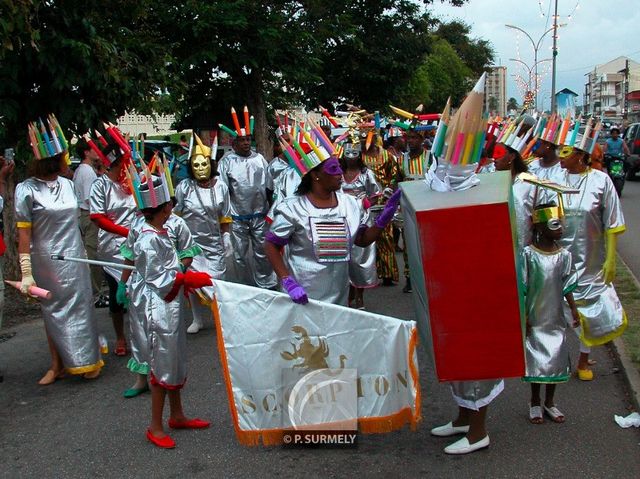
512, 104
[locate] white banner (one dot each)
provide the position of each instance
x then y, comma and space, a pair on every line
269, 347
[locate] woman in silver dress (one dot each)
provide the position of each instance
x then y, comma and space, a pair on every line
360, 183
320, 226
203, 202
47, 221
593, 220
112, 209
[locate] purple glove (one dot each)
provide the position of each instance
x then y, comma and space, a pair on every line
389, 210
296, 292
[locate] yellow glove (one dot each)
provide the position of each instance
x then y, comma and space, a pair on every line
27, 277
609, 267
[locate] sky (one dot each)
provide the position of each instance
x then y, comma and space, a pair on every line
598, 31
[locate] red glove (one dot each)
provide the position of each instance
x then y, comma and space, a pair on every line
190, 280
194, 280
105, 223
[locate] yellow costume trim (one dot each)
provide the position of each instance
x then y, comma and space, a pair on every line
225, 220
617, 229
86, 369
23, 224
589, 341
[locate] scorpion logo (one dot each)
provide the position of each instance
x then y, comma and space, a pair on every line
313, 357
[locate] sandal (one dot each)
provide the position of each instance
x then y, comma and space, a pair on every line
50, 377
535, 415
555, 414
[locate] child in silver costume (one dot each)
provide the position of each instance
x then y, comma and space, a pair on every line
159, 266
549, 279
187, 249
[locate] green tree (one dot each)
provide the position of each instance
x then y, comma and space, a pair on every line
281, 53
83, 61
512, 104
476, 54
492, 103
441, 75
374, 51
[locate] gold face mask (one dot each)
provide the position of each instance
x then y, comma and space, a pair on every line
201, 166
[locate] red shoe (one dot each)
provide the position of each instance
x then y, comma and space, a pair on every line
163, 442
194, 423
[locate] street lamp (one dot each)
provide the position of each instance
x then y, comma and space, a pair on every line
536, 46
529, 69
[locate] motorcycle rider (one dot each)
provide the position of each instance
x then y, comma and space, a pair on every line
615, 146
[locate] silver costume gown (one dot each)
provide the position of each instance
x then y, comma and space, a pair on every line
50, 209
158, 265
588, 216
362, 267
204, 210
319, 244
547, 278
248, 180
182, 240
110, 198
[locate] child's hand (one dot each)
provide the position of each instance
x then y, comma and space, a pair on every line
576, 317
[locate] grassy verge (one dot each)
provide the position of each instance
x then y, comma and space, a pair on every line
629, 294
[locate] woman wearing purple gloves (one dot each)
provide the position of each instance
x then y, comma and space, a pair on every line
319, 226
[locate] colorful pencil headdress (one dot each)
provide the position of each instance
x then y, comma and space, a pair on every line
111, 146
152, 186
588, 140
417, 121
510, 137
247, 130
308, 147
460, 141
46, 138
552, 129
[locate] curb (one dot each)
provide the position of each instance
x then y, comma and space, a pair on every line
630, 371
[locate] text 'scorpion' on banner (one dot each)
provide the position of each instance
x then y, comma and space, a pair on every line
271, 348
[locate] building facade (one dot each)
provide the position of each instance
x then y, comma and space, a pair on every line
495, 91
152, 125
607, 89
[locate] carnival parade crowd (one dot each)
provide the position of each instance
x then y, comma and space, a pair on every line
320, 220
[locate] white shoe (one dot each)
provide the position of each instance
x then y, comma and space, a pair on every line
194, 328
463, 447
449, 430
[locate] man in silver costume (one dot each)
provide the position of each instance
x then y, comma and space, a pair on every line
245, 174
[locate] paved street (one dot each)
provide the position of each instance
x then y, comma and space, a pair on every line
77, 428
629, 243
